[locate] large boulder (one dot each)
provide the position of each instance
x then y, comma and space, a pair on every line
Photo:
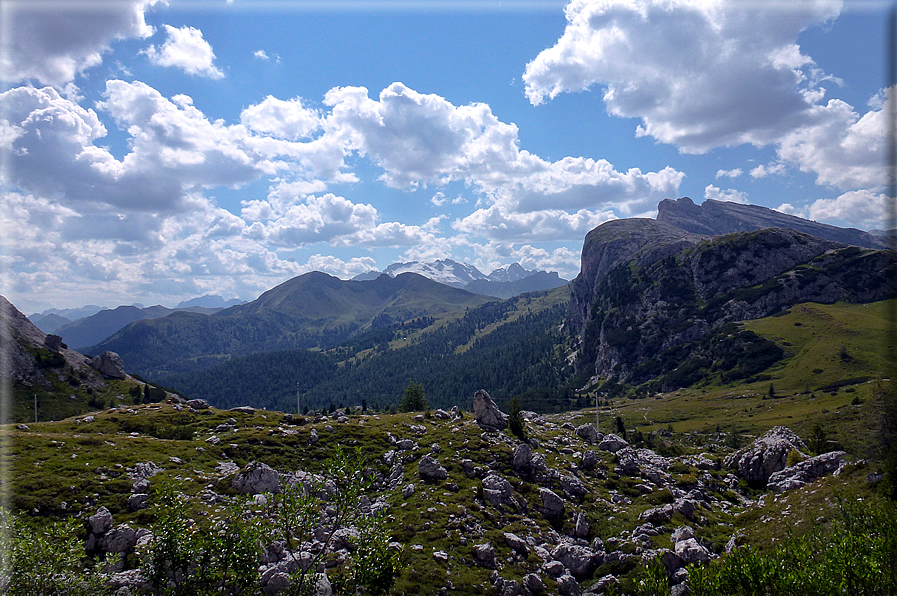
487, 413
766, 456
552, 504
580, 560
522, 459
109, 364
498, 492
256, 478
429, 469
612, 443
806, 471
589, 434
101, 521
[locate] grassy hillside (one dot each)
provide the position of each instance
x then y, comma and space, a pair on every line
833, 357
76, 465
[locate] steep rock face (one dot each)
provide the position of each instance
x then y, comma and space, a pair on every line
647, 300
713, 218
612, 244
23, 339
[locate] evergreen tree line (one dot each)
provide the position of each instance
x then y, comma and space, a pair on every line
512, 359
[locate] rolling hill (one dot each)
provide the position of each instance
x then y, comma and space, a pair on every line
314, 310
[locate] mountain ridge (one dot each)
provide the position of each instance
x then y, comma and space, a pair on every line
313, 310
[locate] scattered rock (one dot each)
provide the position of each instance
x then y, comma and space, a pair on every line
120, 539
580, 560
498, 492
101, 521
488, 416
568, 586
198, 404
690, 551
137, 501
682, 533
406, 445
573, 486
533, 583
553, 569
589, 460
580, 525
516, 544
243, 410
522, 458
53, 343
484, 555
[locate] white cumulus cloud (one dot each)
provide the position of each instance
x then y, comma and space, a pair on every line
53, 46
697, 74
729, 194
861, 208
186, 49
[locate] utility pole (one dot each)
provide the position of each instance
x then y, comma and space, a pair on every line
298, 411
35, 408
597, 401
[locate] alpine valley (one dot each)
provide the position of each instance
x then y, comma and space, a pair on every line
737, 360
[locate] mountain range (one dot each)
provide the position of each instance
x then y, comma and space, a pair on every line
504, 282
314, 310
653, 307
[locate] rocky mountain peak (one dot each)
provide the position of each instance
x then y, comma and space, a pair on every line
713, 218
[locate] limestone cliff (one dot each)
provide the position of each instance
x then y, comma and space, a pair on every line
650, 295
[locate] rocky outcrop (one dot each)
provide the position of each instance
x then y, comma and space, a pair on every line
109, 364
650, 296
614, 243
806, 471
20, 338
487, 414
766, 456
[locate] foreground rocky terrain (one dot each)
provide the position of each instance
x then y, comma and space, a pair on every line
470, 507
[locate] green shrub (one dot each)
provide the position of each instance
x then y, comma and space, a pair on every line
855, 556
48, 562
414, 400
516, 423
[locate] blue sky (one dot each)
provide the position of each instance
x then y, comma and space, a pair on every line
153, 152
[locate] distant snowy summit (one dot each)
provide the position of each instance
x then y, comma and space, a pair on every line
503, 282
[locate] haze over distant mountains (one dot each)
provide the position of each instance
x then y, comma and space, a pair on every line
89, 325
504, 282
